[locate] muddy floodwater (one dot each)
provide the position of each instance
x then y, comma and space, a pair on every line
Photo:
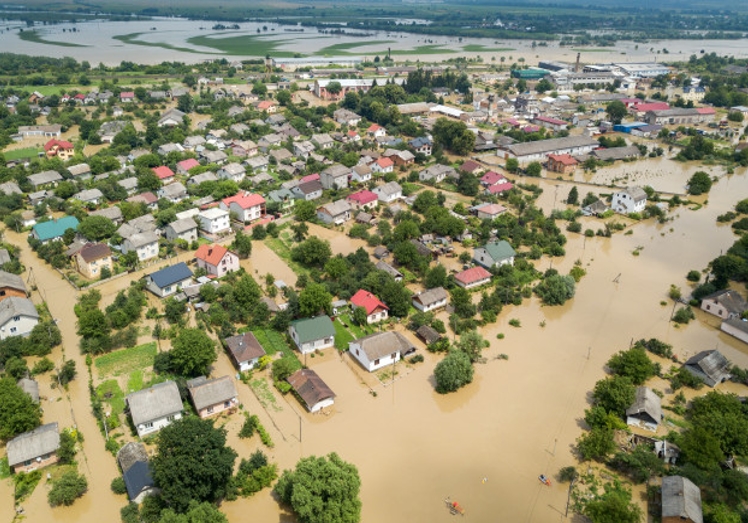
483, 446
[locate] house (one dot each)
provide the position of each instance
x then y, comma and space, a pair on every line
89, 196
127, 96
216, 259
710, 366
399, 158
171, 118
174, 192
596, 208
245, 205
562, 163
421, 145
245, 350
211, 397
646, 411
323, 141
312, 334
381, 252
34, 449
681, 501
380, 349
216, 157
232, 171
437, 173
335, 177
164, 173
389, 269
145, 245
44, 178
214, 220
133, 460
375, 309
617, 153
494, 254
310, 388
93, 258
389, 192
376, 131
553, 124
183, 229
129, 184
346, 117
62, 149
168, 280
207, 176
473, 277
526, 152
168, 148
81, 170
54, 229
431, 299
184, 166
257, 164
284, 198
428, 334
724, 304
471, 167
308, 191
382, 166
336, 213
363, 200
631, 199
154, 408
11, 285
490, 211
303, 149
145, 223
736, 327
361, 174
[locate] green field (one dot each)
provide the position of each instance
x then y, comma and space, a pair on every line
273, 342
33, 36
477, 48
132, 38
110, 393
421, 49
343, 48
593, 49
126, 361
243, 45
17, 154
284, 252
342, 336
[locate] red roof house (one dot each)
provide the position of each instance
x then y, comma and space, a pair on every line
216, 259
363, 199
499, 188
492, 178
163, 172
309, 178
375, 309
472, 277
247, 206
471, 166
383, 165
562, 163
184, 166
60, 148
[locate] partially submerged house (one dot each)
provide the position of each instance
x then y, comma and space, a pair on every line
168, 280
133, 460
710, 366
154, 408
313, 392
311, 334
18, 317
34, 449
380, 349
375, 309
630, 199
473, 277
245, 350
211, 397
646, 411
724, 304
494, 254
736, 327
681, 501
430, 300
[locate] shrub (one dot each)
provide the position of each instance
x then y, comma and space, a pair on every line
514, 322
684, 315
418, 358
249, 426
118, 485
453, 372
683, 378
67, 489
693, 276
42, 366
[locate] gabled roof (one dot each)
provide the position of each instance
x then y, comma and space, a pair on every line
709, 365
183, 225
156, 402
681, 499
384, 162
44, 177
731, 300
13, 281
244, 347
389, 269
211, 254
163, 172
470, 166
565, 159
211, 392
244, 200
428, 334
33, 444
492, 208
431, 296
336, 208
500, 250
368, 301
30, 387
472, 275
310, 187
137, 479
311, 329
363, 197
491, 178
130, 454
381, 344
310, 387
171, 275
60, 144
188, 164
94, 251
55, 228
646, 402
139, 239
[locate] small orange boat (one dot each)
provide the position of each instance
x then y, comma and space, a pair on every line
454, 507
544, 480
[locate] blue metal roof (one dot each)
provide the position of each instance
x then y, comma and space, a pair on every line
55, 228
171, 275
137, 478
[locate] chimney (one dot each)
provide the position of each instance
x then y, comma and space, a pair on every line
576, 67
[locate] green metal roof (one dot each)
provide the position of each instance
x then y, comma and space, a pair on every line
500, 250
310, 329
55, 228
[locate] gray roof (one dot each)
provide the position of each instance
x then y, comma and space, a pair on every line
336, 171
244, 347
681, 499
709, 365
114, 213
89, 194
428, 334
388, 188
337, 207
381, 344
731, 300
10, 188
207, 176
30, 387
548, 146
646, 402
389, 269
431, 296
617, 153
183, 225
4, 256
310, 387
142, 238
154, 403
129, 183
130, 454
637, 193
44, 177
173, 189
13, 281
81, 168
30, 445
437, 170
212, 392
13, 306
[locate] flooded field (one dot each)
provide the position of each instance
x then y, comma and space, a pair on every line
193, 41
483, 446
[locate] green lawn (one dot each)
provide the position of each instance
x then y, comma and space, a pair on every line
132, 38
478, 48
421, 49
342, 336
243, 45
126, 361
135, 381
355, 330
284, 252
17, 154
33, 36
49, 90
343, 48
273, 341
264, 394
110, 393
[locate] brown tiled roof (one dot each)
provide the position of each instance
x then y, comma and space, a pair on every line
94, 251
310, 387
244, 347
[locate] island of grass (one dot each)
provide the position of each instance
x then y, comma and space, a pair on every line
34, 36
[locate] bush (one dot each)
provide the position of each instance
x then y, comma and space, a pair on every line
42, 366
418, 358
118, 485
683, 378
67, 489
453, 372
693, 276
684, 315
249, 426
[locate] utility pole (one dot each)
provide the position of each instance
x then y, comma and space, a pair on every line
568, 497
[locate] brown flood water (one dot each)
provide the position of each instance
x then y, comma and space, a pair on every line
485, 445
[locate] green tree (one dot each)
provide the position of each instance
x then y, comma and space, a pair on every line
453, 372
196, 513
314, 299
556, 289
699, 183
359, 316
615, 394
468, 184
96, 228
18, 412
534, 169
242, 245
614, 505
634, 364
596, 444
573, 198
640, 464
616, 111
174, 310
724, 417
69, 487
304, 210
472, 344
192, 353
701, 448
312, 252
454, 135
322, 490
512, 165
436, 277
192, 462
